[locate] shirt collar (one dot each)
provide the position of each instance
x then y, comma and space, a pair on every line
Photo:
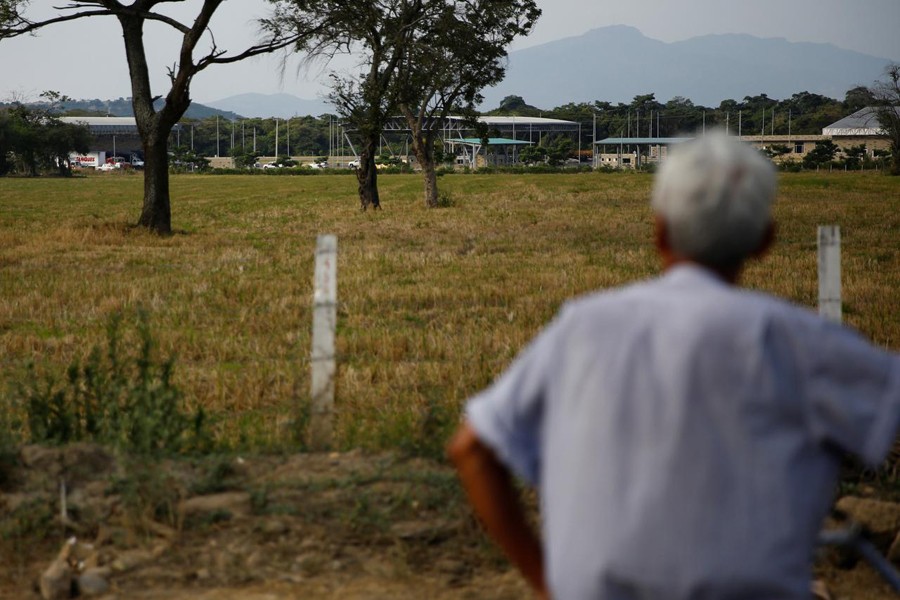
689, 273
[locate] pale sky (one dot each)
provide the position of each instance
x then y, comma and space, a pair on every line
85, 59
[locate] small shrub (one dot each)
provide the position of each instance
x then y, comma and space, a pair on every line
445, 199
128, 401
148, 494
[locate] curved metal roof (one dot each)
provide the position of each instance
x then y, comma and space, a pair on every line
863, 122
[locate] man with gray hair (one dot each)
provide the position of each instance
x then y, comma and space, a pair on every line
684, 434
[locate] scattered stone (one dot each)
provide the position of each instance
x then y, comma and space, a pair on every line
422, 530
10, 503
256, 560
274, 527
234, 503
452, 566
893, 553
56, 581
93, 582
881, 518
41, 458
131, 559
820, 591
85, 462
309, 564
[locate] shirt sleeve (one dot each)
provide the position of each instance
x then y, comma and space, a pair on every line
507, 416
854, 393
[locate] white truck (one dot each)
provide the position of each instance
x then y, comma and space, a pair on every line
90, 160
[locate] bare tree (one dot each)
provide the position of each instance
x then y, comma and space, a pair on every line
886, 94
154, 126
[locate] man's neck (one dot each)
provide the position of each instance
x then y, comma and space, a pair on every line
730, 275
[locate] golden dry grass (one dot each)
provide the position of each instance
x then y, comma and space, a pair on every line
433, 304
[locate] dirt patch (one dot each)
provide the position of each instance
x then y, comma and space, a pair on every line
318, 526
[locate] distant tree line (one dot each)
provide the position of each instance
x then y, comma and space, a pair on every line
803, 113
34, 140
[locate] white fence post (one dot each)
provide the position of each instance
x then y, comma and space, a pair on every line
830, 272
323, 335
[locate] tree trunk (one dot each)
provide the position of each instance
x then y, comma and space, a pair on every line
423, 148
154, 127
156, 214
367, 175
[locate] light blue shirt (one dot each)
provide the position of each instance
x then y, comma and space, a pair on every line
682, 433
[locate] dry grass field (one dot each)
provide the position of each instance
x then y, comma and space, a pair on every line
433, 304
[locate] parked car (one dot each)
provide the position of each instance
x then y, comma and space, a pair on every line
353, 164
318, 165
271, 166
107, 166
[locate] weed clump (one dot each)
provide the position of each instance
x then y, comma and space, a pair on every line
123, 399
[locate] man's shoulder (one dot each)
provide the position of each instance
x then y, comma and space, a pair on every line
694, 294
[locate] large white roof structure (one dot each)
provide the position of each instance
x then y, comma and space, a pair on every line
525, 122
105, 125
863, 122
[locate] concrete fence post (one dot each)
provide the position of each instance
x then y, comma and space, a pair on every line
829, 242
323, 336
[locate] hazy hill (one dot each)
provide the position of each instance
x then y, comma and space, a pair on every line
121, 107
616, 63
272, 105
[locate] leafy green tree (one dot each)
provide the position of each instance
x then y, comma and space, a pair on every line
185, 159
457, 49
379, 34
823, 153
516, 106
855, 156
532, 155
858, 98
154, 125
36, 140
244, 160
559, 150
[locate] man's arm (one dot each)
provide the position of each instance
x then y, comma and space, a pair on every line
495, 500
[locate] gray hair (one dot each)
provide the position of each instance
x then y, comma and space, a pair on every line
715, 196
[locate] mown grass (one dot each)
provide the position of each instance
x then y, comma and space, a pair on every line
433, 303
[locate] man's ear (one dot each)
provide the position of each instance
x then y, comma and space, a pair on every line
660, 235
766, 242
662, 241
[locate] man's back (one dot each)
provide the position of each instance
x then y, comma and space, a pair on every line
682, 432
682, 436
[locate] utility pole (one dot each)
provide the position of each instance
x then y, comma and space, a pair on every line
217, 135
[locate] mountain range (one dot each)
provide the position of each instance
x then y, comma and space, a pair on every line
616, 63
271, 105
